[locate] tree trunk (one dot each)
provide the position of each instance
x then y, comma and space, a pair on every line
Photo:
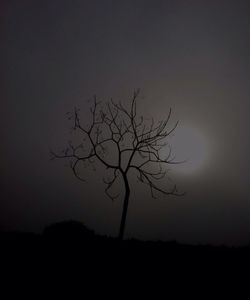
125, 207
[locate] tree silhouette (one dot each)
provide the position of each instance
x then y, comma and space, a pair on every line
136, 144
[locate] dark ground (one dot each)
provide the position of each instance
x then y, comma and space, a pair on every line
69, 252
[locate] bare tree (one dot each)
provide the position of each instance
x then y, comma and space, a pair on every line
136, 145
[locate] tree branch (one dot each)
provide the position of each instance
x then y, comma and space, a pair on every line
132, 135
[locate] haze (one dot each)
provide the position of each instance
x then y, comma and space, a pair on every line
192, 56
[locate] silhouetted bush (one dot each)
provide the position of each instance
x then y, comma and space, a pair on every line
69, 230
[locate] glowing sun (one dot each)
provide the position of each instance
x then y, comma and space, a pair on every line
191, 146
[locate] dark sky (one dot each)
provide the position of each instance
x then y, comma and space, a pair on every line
190, 55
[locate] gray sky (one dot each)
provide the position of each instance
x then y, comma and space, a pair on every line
192, 56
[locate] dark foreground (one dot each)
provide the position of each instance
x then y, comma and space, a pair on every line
69, 251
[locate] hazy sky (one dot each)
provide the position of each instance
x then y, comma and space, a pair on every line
190, 55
